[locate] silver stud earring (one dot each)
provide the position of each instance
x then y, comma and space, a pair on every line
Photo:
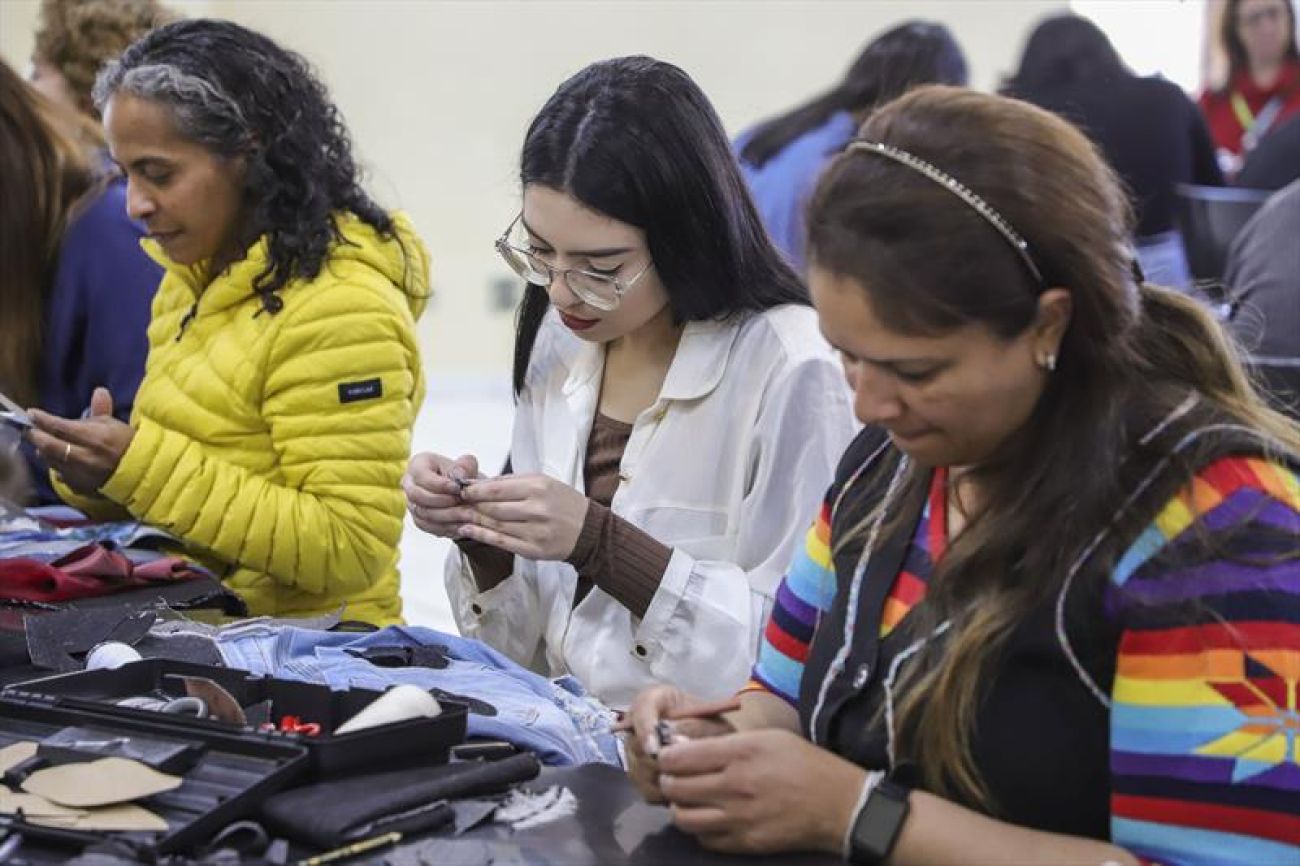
1048, 362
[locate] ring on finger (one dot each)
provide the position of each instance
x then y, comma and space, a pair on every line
67, 451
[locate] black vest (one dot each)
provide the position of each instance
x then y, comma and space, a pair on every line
1042, 739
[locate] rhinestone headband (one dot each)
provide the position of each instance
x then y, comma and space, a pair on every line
958, 189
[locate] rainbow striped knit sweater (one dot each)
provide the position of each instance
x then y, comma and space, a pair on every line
1205, 718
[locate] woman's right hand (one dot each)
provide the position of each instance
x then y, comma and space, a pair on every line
691, 718
432, 484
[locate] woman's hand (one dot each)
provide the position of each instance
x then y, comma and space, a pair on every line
87, 452
760, 792
694, 719
533, 516
433, 486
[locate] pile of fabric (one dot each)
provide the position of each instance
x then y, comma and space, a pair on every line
554, 719
47, 562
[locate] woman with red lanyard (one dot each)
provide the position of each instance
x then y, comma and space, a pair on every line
1264, 77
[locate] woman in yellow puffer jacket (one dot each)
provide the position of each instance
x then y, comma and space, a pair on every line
274, 420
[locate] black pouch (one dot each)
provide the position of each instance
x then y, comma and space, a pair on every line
332, 814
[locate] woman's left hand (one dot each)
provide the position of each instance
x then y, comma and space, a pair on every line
533, 516
760, 792
86, 452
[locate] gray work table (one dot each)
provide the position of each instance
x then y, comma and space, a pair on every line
613, 826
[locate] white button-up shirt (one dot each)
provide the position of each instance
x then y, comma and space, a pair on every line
726, 468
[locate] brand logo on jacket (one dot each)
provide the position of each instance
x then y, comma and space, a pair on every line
351, 392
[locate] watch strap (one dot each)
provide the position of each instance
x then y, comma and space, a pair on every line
877, 824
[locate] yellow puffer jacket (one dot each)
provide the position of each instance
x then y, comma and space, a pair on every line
273, 445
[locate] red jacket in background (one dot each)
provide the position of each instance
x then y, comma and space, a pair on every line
1226, 127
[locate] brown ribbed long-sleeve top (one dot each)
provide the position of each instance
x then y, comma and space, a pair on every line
611, 553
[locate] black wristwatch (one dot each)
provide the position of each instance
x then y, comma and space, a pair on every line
876, 827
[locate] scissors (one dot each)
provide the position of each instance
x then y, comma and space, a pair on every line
292, 725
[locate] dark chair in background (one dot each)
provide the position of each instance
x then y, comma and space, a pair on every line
1275, 161
1263, 283
1280, 378
1209, 218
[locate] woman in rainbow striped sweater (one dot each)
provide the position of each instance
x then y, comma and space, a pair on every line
1050, 612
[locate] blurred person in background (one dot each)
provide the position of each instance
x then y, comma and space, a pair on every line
782, 157
75, 286
97, 307
1263, 86
1148, 129
75, 38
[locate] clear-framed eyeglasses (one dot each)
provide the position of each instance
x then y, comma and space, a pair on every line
601, 291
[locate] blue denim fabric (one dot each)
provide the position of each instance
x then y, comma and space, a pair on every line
52, 550
55, 512
23, 535
555, 719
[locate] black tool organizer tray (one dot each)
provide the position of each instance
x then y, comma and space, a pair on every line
398, 745
229, 777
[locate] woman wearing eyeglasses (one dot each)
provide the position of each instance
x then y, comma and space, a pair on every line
677, 407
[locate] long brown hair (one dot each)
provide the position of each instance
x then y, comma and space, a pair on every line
1130, 354
1230, 39
43, 173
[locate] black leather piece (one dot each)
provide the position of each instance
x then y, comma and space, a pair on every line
404, 656
326, 815
54, 638
476, 706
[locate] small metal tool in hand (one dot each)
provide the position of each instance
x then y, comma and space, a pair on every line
13, 414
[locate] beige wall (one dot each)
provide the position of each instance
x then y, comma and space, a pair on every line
439, 94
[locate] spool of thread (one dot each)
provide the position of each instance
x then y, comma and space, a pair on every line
395, 705
110, 655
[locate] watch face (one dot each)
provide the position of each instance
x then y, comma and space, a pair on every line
878, 824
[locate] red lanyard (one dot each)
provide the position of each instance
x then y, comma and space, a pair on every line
938, 540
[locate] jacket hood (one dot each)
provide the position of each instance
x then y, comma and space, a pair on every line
402, 259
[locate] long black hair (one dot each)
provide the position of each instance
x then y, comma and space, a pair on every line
913, 53
1064, 51
240, 94
635, 139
